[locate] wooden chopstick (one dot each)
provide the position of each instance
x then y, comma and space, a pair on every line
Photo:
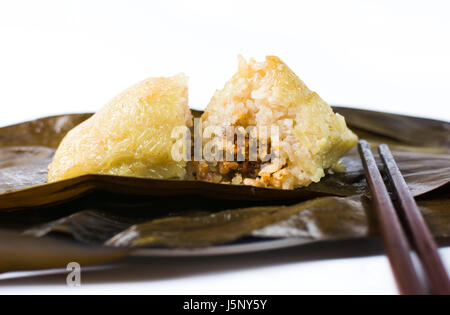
394, 238
417, 229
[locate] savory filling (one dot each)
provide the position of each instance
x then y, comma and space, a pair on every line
232, 172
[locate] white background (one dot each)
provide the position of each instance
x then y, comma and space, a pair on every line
74, 56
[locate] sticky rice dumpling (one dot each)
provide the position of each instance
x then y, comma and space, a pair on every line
130, 136
311, 137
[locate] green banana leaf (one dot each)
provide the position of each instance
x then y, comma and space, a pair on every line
101, 212
320, 219
20, 253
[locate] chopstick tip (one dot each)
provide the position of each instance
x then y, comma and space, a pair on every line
363, 144
384, 149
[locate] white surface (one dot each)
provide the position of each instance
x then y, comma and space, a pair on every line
326, 268
73, 56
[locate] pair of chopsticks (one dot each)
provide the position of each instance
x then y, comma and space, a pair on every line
400, 240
